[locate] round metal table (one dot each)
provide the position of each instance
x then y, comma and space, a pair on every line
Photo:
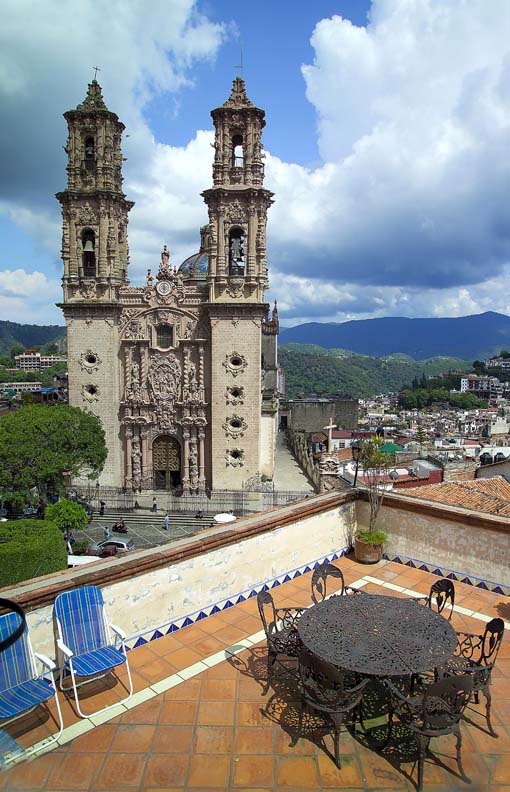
377, 635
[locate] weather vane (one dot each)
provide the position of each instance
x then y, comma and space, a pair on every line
96, 69
240, 65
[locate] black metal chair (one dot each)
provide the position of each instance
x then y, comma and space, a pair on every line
328, 690
476, 654
441, 593
280, 629
319, 582
434, 713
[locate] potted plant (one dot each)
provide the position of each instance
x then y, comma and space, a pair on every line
368, 542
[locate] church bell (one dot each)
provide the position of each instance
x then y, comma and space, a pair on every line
89, 246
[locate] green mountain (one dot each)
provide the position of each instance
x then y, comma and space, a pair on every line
12, 333
313, 370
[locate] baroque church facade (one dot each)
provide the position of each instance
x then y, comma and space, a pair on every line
181, 371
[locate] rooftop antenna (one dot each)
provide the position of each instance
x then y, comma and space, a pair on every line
240, 64
96, 69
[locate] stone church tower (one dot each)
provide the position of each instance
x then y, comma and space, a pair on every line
182, 370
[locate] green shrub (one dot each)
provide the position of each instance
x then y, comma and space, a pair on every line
28, 549
67, 515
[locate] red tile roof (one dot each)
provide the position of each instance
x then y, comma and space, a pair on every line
490, 495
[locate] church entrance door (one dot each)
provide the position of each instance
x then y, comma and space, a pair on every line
166, 462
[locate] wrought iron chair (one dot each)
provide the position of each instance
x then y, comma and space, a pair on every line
22, 686
477, 655
329, 690
441, 593
319, 582
434, 713
280, 629
85, 641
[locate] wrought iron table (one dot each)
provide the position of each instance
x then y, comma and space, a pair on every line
377, 635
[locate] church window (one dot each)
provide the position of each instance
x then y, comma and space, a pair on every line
236, 251
88, 239
91, 359
90, 158
164, 336
237, 151
236, 361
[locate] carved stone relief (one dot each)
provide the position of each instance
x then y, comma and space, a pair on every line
235, 363
164, 378
234, 426
234, 395
89, 361
87, 215
235, 212
135, 330
234, 457
88, 289
90, 392
235, 287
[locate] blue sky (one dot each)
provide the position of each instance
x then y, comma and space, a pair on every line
387, 141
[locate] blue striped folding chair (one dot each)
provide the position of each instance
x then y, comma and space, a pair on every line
84, 638
22, 687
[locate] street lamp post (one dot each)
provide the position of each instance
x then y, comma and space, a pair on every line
355, 448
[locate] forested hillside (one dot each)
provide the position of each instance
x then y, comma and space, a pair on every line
312, 370
12, 333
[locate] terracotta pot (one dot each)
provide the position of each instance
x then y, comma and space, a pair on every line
367, 553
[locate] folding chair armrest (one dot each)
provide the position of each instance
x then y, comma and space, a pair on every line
64, 649
45, 661
119, 632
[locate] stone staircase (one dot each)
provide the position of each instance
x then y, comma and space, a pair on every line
144, 518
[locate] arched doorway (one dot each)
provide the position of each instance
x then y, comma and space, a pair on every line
166, 462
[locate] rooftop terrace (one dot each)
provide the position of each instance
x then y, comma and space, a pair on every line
198, 719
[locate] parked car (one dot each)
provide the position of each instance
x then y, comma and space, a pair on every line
110, 547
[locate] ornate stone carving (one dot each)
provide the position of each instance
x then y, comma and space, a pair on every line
328, 464
87, 215
235, 287
234, 457
88, 289
127, 314
89, 361
193, 466
234, 426
190, 327
90, 392
134, 391
238, 97
136, 464
235, 212
234, 395
165, 270
135, 331
235, 363
164, 378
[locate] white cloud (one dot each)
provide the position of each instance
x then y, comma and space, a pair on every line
29, 297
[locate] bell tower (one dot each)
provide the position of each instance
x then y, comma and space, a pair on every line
238, 202
95, 256
242, 430
94, 208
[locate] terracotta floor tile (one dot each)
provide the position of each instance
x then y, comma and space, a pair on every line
187, 691
182, 658
179, 713
165, 770
30, 774
97, 741
156, 669
148, 712
253, 740
75, 771
251, 771
297, 771
229, 635
249, 714
133, 738
218, 689
209, 771
221, 671
216, 713
173, 739
282, 744
214, 739
207, 645
348, 776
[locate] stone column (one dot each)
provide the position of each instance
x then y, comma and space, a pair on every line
252, 241
201, 460
221, 245
129, 444
185, 477
143, 440
103, 238
73, 257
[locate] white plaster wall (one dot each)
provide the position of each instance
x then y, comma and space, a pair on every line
267, 444
477, 551
164, 595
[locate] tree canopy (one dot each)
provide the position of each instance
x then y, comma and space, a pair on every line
67, 515
39, 443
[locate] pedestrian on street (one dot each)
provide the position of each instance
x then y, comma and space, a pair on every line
154, 505
102, 504
106, 533
166, 521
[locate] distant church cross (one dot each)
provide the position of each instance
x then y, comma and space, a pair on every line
330, 428
240, 65
96, 69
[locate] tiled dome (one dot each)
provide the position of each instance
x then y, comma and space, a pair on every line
196, 266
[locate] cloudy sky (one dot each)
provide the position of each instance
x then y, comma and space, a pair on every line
387, 143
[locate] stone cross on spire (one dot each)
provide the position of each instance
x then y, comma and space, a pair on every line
330, 428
